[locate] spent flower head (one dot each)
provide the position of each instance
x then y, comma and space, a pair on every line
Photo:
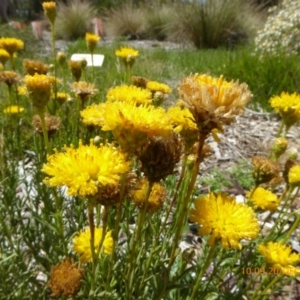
65, 279
9, 78
86, 169
35, 66
82, 244
225, 220
281, 258
75, 67
214, 102
84, 90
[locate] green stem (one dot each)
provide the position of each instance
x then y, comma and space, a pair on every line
92, 244
257, 291
45, 132
54, 63
203, 269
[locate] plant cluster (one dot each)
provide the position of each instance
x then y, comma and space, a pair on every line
101, 212
280, 33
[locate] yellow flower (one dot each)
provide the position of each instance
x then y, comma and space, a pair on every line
13, 109
214, 102
127, 52
263, 199
129, 93
288, 106
65, 279
91, 41
39, 89
128, 55
294, 175
224, 219
11, 45
82, 246
93, 114
4, 56
280, 258
86, 169
155, 86
156, 198
22, 90
131, 125
50, 10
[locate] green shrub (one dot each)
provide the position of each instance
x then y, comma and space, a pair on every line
74, 18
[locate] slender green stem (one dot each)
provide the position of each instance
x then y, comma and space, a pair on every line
92, 244
258, 291
45, 132
203, 269
54, 63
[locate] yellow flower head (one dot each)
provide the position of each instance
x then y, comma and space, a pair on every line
62, 98
128, 55
156, 198
288, 106
281, 258
214, 102
155, 86
65, 279
4, 56
224, 219
294, 175
93, 115
39, 89
91, 41
263, 199
129, 93
50, 10
11, 45
22, 90
82, 246
131, 125
13, 109
9, 77
86, 169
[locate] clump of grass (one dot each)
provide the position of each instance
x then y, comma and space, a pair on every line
74, 18
213, 23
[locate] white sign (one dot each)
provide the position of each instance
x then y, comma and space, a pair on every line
97, 58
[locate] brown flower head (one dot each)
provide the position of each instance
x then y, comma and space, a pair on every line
110, 194
214, 102
84, 90
65, 279
52, 124
9, 78
75, 67
156, 198
35, 66
265, 170
159, 157
139, 81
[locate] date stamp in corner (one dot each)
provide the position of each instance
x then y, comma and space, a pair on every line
268, 271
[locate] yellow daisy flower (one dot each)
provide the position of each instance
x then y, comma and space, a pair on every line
156, 198
91, 41
294, 175
225, 220
129, 93
13, 109
11, 45
127, 52
50, 10
93, 115
4, 56
280, 258
263, 199
82, 246
214, 102
86, 169
131, 125
288, 106
155, 86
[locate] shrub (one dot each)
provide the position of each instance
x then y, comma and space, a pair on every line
214, 23
79, 15
281, 31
